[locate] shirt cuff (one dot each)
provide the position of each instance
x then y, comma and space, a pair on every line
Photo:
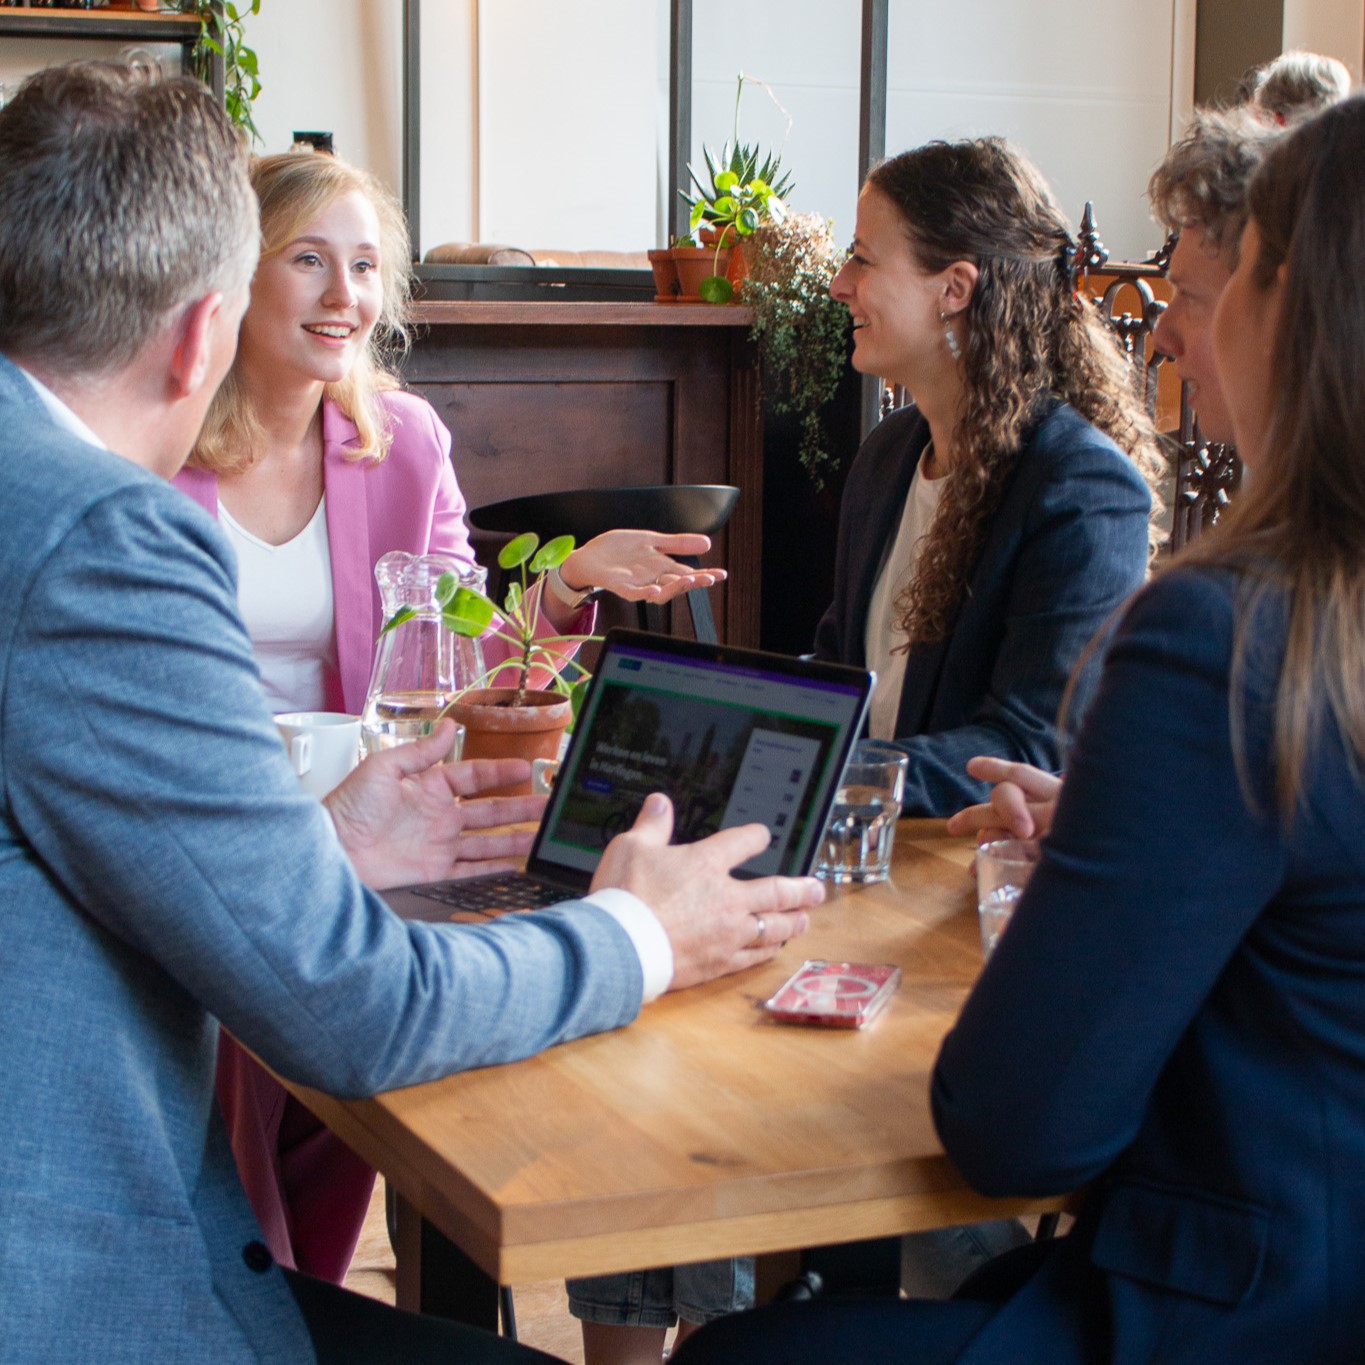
646, 934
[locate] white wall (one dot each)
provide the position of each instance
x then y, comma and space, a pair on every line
1336, 28
545, 124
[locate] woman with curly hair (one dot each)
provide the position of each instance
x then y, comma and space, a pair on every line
989, 528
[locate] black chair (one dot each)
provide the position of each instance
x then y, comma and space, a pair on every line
587, 512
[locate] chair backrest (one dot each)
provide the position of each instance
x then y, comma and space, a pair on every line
1131, 296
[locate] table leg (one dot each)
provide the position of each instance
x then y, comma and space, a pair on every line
436, 1277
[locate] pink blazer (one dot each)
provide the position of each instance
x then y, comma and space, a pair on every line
410, 501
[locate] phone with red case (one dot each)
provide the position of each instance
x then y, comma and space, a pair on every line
836, 994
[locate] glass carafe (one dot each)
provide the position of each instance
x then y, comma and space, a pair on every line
421, 664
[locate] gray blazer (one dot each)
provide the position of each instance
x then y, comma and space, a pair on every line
159, 871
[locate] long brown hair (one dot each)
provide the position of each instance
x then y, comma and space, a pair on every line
293, 188
1298, 529
1028, 339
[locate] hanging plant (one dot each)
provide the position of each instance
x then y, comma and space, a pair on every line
222, 34
801, 332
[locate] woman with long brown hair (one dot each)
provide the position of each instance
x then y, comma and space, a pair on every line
1175, 1018
989, 528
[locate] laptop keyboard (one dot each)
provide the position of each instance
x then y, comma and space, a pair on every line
495, 893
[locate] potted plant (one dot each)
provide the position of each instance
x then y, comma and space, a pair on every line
222, 34
504, 716
742, 193
801, 332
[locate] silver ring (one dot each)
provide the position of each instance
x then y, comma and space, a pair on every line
659, 578
757, 940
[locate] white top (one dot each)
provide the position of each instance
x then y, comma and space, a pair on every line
284, 593
883, 635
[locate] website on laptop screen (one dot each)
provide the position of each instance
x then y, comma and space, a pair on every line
729, 742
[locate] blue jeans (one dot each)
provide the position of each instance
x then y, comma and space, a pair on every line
658, 1298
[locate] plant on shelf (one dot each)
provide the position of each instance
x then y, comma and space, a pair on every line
743, 193
801, 332
222, 33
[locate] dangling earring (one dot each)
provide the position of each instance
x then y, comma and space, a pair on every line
950, 337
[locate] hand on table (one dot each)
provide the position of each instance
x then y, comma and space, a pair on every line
1021, 806
638, 565
399, 821
713, 920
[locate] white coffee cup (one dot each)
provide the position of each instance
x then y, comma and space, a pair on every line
323, 746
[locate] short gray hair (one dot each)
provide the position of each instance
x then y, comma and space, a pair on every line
125, 196
1202, 181
1297, 84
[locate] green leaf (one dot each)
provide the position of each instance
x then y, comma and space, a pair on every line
716, 289
445, 588
553, 554
513, 598
697, 214
468, 613
231, 10
747, 222
397, 619
726, 181
724, 206
518, 550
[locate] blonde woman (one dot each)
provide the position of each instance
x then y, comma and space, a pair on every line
316, 463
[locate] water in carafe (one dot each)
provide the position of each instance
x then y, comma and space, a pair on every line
422, 664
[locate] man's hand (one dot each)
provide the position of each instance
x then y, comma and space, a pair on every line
399, 820
1021, 805
715, 922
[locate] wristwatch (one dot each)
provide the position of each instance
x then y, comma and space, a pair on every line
563, 593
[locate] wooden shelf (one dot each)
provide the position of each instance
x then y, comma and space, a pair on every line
122, 25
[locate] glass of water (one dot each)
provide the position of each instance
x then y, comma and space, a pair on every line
1003, 868
856, 845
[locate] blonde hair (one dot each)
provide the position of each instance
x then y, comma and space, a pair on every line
1029, 339
293, 189
1297, 532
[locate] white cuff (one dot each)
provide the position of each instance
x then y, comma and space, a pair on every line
562, 592
646, 933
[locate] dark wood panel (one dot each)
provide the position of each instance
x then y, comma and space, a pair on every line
543, 397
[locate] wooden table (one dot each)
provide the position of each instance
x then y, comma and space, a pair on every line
703, 1129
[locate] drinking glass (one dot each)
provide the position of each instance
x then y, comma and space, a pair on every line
856, 846
1003, 868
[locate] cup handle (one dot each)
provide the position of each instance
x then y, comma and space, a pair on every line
543, 772
301, 754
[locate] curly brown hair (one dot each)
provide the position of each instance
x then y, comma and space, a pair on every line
1029, 338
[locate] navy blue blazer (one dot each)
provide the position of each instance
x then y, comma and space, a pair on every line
1067, 546
1177, 1014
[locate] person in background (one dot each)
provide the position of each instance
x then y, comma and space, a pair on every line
1296, 85
986, 533
316, 464
1198, 191
1175, 1017
160, 869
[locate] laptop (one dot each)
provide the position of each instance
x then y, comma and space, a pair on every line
732, 735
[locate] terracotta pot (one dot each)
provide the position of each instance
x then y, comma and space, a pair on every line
494, 728
666, 285
739, 262
697, 263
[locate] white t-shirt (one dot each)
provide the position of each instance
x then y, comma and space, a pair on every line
883, 635
285, 596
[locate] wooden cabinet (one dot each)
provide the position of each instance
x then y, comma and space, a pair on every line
543, 396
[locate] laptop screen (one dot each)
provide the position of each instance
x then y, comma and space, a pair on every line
731, 735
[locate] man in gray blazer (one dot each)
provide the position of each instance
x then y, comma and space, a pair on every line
159, 868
